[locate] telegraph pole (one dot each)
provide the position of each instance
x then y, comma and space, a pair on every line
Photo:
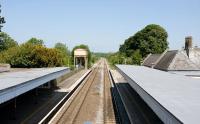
2, 20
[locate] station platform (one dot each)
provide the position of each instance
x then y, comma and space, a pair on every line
174, 98
19, 81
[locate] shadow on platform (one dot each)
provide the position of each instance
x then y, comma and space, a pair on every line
139, 112
29, 108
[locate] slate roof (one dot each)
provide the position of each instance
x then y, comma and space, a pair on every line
166, 60
151, 59
182, 62
177, 60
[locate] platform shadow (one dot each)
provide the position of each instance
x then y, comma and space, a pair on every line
29, 107
136, 108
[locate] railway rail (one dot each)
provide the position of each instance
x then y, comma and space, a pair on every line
55, 110
110, 116
70, 110
91, 102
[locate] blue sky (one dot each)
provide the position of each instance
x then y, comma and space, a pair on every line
101, 24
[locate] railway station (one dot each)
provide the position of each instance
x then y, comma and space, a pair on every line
89, 63
159, 97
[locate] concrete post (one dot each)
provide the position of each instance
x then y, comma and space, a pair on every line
86, 62
74, 62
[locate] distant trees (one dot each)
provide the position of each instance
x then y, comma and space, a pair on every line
64, 52
97, 55
62, 47
35, 41
34, 54
6, 42
119, 58
151, 39
31, 56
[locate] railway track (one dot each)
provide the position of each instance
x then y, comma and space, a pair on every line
109, 115
91, 102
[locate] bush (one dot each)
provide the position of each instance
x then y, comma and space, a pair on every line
32, 56
64, 51
136, 57
6, 42
35, 41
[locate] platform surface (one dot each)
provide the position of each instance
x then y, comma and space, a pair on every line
19, 81
178, 95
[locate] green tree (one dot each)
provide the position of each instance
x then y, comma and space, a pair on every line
35, 41
136, 57
116, 58
6, 42
62, 47
151, 39
32, 56
7, 55
64, 51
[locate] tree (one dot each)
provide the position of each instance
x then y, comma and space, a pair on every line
116, 58
62, 47
6, 42
64, 51
136, 57
151, 39
35, 41
32, 56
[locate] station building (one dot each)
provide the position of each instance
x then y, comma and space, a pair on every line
185, 61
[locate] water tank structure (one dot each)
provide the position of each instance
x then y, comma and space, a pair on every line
80, 58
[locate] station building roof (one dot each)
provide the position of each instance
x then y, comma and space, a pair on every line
174, 98
175, 60
19, 81
151, 59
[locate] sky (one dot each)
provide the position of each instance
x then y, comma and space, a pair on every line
101, 24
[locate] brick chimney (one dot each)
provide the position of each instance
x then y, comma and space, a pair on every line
188, 44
